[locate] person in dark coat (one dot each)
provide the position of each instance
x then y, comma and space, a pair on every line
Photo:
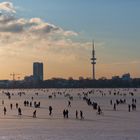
114, 108
67, 114
34, 114
64, 113
129, 107
4, 110
99, 110
11, 106
19, 111
81, 114
50, 110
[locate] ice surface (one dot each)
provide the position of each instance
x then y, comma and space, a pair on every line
111, 125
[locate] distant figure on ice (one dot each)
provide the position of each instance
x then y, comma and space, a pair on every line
9, 97
34, 114
11, 106
64, 113
81, 114
30, 104
32, 98
50, 110
67, 114
69, 104
110, 102
114, 108
2, 102
129, 107
19, 111
133, 106
99, 110
16, 105
133, 100
4, 110
76, 114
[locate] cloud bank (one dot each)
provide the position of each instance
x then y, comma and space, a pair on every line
35, 33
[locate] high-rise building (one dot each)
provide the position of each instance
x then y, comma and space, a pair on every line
38, 71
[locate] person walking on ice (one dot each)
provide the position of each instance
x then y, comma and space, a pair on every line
34, 114
81, 114
4, 110
50, 110
99, 110
114, 107
19, 111
11, 106
69, 103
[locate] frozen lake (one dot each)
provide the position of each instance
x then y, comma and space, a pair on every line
111, 125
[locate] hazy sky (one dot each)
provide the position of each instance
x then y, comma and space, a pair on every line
60, 32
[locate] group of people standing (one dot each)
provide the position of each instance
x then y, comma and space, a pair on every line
66, 114
5, 110
131, 106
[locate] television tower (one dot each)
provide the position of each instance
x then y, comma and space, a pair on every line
93, 62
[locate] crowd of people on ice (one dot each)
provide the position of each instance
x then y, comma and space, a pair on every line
85, 96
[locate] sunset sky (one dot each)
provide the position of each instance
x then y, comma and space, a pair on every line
59, 33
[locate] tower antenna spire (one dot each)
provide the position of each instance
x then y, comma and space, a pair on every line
93, 44
93, 61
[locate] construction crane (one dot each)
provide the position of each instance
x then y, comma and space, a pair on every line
14, 75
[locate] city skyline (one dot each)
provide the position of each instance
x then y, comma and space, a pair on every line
60, 35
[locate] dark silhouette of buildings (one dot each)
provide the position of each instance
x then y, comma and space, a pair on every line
115, 82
